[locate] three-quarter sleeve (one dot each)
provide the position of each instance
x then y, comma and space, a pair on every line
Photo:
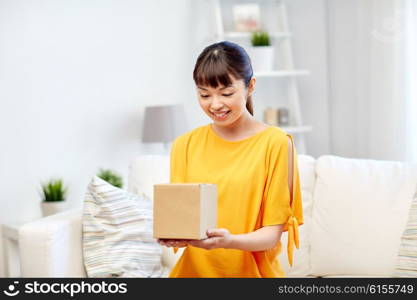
280, 205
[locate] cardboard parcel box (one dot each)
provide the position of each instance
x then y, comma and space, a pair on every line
184, 210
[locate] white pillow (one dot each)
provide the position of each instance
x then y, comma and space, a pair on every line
117, 233
360, 211
147, 170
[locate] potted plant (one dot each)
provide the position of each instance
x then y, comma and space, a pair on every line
53, 197
261, 52
111, 177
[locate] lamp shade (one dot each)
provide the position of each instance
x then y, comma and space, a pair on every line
163, 123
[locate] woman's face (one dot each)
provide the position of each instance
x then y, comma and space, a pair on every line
225, 104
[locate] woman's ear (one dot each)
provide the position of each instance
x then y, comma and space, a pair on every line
251, 86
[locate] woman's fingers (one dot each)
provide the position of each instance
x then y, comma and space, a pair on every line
173, 243
178, 244
217, 232
208, 243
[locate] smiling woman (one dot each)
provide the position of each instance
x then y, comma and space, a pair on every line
233, 95
224, 79
223, 72
254, 167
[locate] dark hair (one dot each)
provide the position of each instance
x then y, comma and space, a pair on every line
220, 60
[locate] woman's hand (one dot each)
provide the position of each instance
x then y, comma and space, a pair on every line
262, 239
173, 243
217, 238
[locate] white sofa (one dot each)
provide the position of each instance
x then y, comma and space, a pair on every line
355, 211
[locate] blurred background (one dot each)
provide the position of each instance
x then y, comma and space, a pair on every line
76, 78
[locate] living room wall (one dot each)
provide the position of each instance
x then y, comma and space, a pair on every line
74, 77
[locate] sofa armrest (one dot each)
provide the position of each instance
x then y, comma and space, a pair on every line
52, 246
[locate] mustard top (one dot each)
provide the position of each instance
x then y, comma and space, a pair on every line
252, 184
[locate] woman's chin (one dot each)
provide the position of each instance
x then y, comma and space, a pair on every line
221, 123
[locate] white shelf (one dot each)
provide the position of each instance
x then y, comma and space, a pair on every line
283, 73
296, 129
237, 34
281, 39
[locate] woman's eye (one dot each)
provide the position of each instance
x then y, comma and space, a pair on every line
228, 95
204, 96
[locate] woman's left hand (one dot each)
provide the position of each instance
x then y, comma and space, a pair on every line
217, 238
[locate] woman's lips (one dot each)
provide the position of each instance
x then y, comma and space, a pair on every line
222, 115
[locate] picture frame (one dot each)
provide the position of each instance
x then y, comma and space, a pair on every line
246, 17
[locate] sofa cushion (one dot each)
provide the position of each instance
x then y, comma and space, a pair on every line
359, 213
301, 265
145, 171
407, 254
117, 233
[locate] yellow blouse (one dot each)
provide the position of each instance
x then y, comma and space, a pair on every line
252, 183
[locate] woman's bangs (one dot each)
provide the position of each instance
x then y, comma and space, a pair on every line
213, 73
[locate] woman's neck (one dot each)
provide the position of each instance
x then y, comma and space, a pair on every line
240, 127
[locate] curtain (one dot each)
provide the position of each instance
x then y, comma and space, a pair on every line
373, 78
386, 79
410, 16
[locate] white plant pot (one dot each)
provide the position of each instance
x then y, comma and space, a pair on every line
53, 207
262, 58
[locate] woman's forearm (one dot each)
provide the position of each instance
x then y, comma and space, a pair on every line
262, 239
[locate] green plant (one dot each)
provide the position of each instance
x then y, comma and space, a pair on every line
53, 191
111, 177
260, 38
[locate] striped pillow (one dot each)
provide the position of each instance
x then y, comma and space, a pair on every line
117, 233
407, 255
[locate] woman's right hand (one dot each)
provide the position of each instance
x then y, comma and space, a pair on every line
173, 243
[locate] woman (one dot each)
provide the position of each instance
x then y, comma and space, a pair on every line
254, 166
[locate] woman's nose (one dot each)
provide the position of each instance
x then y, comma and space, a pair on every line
216, 103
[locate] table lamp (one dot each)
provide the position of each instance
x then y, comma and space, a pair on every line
163, 124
